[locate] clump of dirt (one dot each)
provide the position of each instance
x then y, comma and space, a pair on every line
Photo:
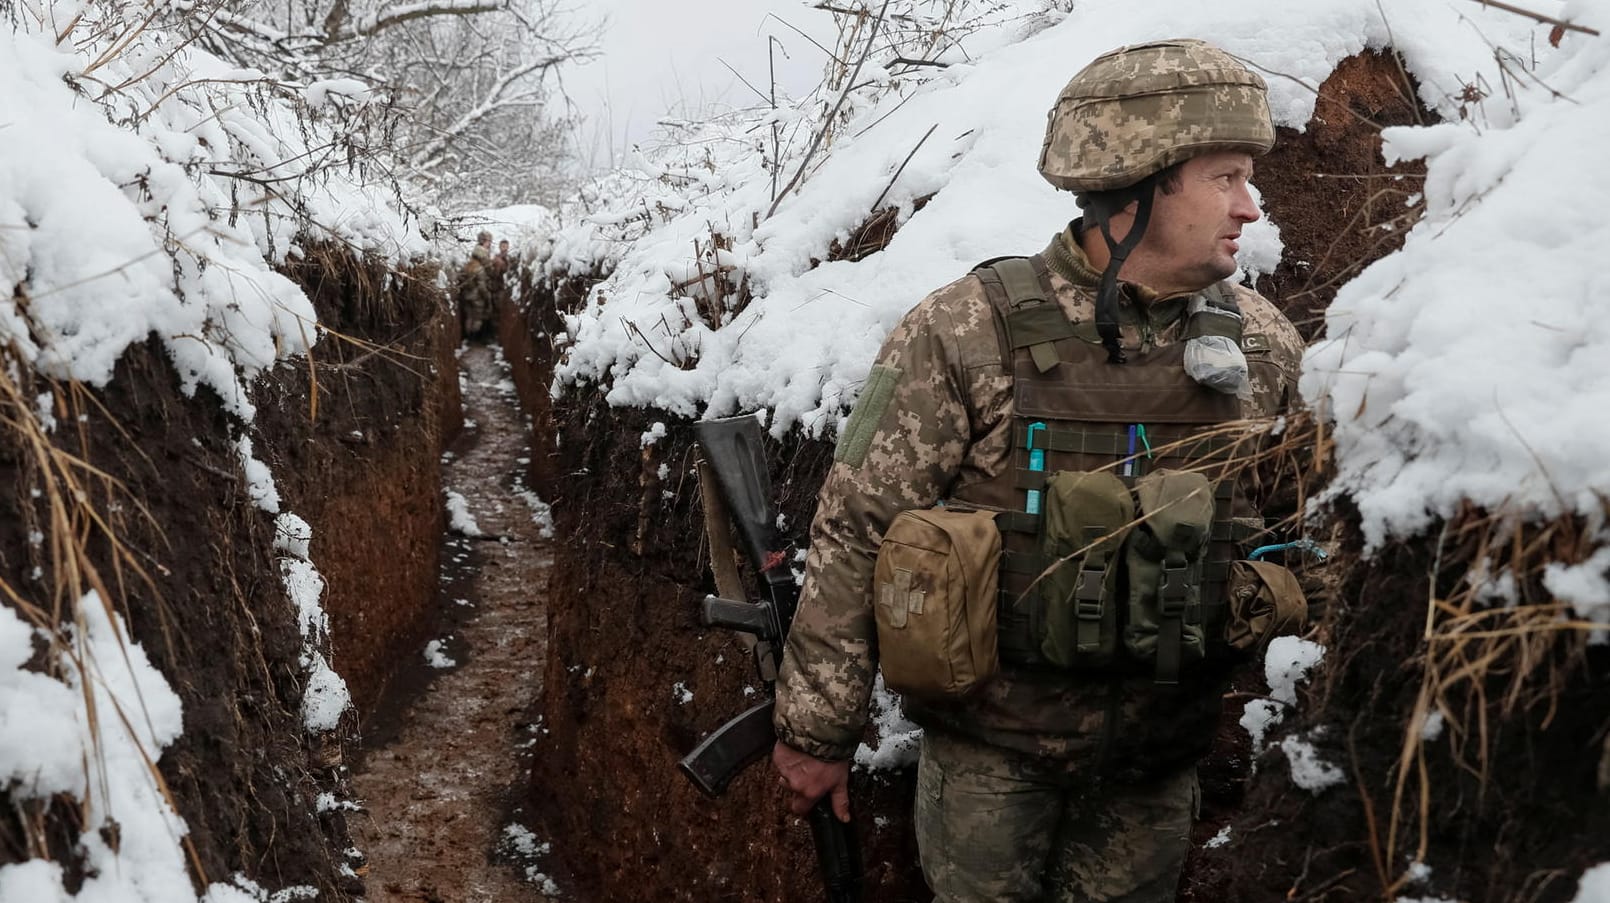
1338, 205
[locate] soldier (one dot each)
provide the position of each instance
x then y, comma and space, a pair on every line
475, 287
501, 262
1067, 771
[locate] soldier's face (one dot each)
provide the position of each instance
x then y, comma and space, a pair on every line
1195, 232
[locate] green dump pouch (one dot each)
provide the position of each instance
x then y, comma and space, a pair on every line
934, 598
1163, 558
1087, 515
1265, 602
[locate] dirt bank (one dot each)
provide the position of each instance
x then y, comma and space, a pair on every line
200, 583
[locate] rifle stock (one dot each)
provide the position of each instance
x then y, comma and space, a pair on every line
734, 449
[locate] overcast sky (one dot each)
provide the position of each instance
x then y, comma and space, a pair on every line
664, 57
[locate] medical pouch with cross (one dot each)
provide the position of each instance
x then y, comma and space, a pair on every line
935, 587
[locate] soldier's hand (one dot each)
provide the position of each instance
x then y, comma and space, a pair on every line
808, 779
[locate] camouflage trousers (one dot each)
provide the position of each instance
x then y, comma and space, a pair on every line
998, 825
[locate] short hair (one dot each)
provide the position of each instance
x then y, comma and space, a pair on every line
1103, 205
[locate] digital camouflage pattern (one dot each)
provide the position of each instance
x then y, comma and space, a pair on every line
1137, 110
991, 825
475, 289
947, 423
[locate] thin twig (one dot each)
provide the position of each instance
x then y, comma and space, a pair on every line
827, 123
1539, 17
902, 168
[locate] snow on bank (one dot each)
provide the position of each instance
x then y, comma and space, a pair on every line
1470, 366
148, 187
803, 346
87, 729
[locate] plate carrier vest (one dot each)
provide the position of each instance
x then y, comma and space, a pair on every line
1081, 413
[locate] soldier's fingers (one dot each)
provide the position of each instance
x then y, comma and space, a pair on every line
841, 802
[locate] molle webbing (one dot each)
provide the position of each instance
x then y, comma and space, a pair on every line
1083, 414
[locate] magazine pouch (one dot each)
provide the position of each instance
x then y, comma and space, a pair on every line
1086, 517
1163, 557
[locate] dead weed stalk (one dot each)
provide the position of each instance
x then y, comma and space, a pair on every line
79, 508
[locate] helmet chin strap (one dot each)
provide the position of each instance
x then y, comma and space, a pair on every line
1107, 294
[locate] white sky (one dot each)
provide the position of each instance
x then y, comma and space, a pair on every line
665, 57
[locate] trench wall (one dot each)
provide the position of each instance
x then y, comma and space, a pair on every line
200, 586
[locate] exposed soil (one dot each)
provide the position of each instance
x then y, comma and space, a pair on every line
204, 594
448, 755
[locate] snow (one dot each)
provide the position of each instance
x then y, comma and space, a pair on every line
802, 346
1286, 663
126, 221
459, 519
896, 740
436, 655
1467, 367
86, 728
1595, 886
1219, 839
326, 697
1309, 770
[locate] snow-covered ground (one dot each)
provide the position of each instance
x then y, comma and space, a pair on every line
135, 200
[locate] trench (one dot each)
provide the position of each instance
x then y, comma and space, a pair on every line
445, 769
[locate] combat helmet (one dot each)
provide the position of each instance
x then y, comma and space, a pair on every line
1137, 110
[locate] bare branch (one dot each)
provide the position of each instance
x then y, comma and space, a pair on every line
408, 12
495, 99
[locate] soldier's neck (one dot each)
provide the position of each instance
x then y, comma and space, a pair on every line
1136, 269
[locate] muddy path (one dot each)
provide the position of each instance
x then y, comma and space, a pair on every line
446, 761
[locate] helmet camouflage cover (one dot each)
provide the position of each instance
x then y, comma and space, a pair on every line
1143, 108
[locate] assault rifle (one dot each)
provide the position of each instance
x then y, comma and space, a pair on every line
732, 449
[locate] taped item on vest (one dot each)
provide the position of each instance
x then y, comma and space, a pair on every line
934, 598
856, 439
1164, 560
1266, 601
1213, 354
1087, 516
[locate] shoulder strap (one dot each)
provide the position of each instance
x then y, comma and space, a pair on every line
1019, 288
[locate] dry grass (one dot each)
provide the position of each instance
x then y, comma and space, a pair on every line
80, 516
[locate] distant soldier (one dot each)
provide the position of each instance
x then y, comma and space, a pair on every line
475, 288
502, 263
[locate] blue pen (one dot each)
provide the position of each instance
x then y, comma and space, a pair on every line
1036, 463
1129, 460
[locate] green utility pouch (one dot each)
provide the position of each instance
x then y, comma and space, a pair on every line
1164, 562
1087, 515
934, 589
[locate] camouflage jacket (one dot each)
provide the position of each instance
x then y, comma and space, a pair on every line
948, 423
